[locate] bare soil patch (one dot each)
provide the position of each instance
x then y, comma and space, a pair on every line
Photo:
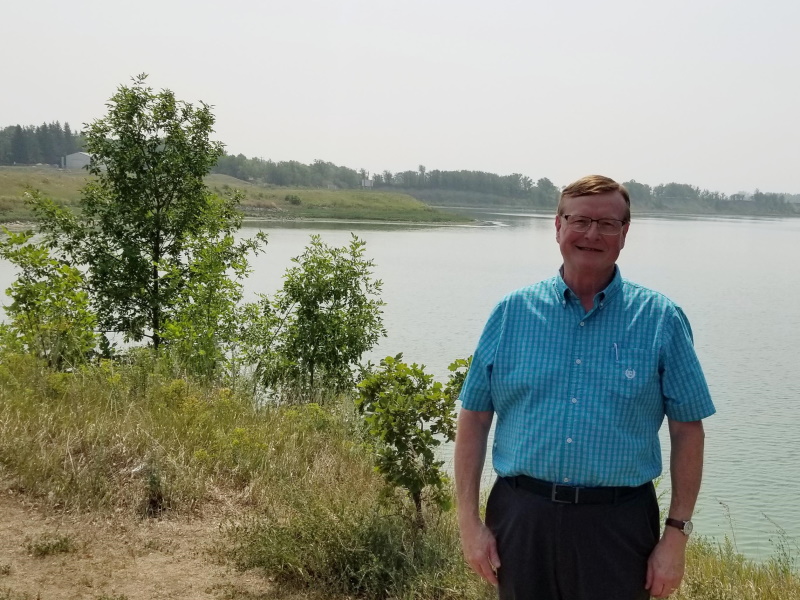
46, 555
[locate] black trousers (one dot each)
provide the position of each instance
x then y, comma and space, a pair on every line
555, 551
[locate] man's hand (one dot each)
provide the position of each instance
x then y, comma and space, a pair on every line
478, 543
480, 550
666, 564
668, 559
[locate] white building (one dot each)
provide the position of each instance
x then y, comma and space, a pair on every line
77, 160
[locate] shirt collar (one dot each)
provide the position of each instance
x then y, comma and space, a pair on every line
603, 297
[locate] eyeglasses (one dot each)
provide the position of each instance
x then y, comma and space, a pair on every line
579, 224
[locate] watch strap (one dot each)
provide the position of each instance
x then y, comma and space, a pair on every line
685, 527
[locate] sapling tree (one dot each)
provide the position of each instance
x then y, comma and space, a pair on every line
49, 314
409, 415
203, 330
146, 211
315, 330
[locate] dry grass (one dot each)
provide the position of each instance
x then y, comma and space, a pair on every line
137, 438
717, 572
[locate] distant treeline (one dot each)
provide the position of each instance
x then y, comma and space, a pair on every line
288, 173
675, 197
47, 143
326, 174
481, 188
34, 144
517, 187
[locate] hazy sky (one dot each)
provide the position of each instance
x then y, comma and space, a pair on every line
705, 92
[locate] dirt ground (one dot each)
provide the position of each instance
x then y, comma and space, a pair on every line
116, 558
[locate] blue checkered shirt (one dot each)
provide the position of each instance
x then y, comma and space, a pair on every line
580, 396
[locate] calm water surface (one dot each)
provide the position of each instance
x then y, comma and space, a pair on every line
736, 279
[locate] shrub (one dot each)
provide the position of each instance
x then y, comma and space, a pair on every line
49, 316
49, 544
408, 416
357, 546
311, 337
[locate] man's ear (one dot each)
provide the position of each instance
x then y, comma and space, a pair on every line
558, 226
624, 233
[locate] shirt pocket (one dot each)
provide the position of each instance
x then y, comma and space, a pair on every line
631, 373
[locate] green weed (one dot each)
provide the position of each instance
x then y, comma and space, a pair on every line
784, 559
50, 544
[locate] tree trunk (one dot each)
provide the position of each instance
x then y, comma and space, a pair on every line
417, 497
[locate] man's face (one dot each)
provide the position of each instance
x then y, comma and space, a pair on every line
589, 252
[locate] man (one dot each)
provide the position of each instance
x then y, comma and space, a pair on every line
581, 370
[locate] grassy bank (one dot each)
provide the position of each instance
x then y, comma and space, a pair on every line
306, 513
63, 186
306, 510
258, 201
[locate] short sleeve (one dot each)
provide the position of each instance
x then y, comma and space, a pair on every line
683, 384
476, 393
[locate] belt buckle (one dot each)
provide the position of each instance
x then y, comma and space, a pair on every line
556, 497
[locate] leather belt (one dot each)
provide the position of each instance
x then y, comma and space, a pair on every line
567, 494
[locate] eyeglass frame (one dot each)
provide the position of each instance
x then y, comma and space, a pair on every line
622, 223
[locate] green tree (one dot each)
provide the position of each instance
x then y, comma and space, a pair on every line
146, 212
49, 313
409, 415
640, 193
19, 147
203, 330
547, 193
46, 144
326, 316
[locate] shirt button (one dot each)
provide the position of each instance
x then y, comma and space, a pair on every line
582, 323
566, 479
577, 361
569, 440
574, 400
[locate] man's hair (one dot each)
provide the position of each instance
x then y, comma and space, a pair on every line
593, 185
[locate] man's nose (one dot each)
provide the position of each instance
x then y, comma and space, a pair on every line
594, 230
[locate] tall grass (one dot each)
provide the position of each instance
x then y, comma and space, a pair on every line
718, 572
357, 545
310, 512
137, 436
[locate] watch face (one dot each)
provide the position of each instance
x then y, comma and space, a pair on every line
687, 527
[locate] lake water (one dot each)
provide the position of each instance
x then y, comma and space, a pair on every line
736, 279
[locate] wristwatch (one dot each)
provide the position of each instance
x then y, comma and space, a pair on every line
684, 526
